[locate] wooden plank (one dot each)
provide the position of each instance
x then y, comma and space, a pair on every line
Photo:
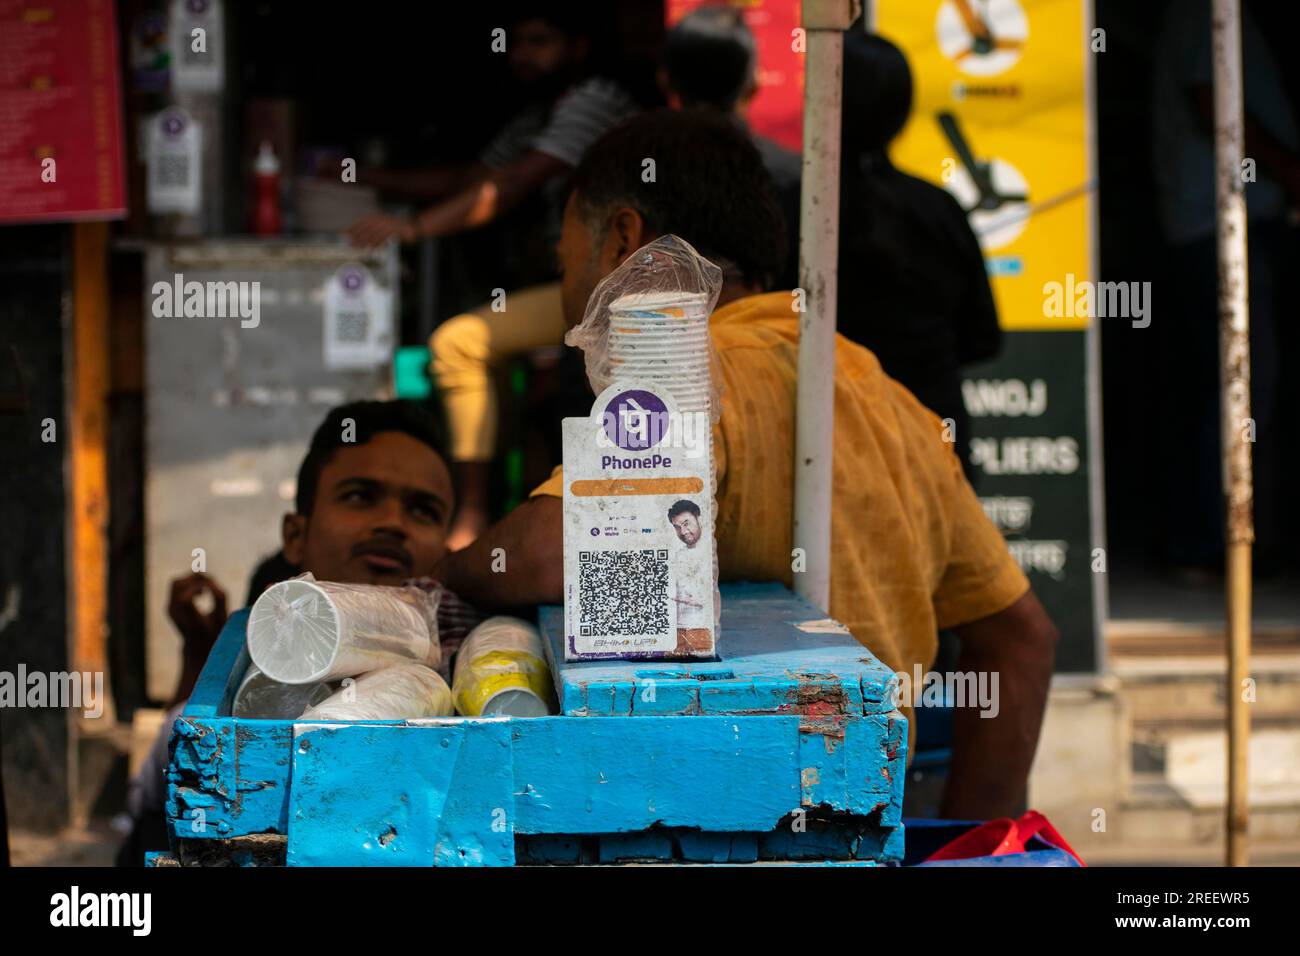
777, 654
433, 794
233, 776
632, 773
569, 777
202, 781
88, 384
215, 688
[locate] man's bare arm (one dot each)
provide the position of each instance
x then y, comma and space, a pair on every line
490, 197
531, 543
991, 757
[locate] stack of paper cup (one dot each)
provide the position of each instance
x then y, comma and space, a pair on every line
304, 631
663, 339
261, 697
398, 692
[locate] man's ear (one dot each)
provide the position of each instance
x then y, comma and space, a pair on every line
625, 235
293, 537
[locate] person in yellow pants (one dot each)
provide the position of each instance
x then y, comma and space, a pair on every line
465, 349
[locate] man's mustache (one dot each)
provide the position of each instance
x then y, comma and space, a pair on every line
383, 549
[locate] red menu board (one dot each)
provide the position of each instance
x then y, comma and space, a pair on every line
777, 110
60, 112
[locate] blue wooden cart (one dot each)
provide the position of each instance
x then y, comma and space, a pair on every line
788, 749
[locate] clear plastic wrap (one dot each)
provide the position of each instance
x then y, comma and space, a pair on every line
304, 631
263, 698
665, 291
501, 669
456, 618
402, 691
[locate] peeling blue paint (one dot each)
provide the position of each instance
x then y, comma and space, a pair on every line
692, 762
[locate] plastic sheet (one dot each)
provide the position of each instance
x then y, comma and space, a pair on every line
456, 618
304, 631
501, 669
263, 698
398, 692
665, 281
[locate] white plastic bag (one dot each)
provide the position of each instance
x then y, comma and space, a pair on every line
397, 692
263, 698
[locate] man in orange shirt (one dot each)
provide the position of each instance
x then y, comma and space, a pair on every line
911, 549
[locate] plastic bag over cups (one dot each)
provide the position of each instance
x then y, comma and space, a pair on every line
304, 631
651, 312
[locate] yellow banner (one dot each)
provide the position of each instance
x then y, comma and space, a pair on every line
1000, 120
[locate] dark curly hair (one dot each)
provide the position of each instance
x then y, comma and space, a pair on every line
683, 506
369, 418
710, 188
709, 56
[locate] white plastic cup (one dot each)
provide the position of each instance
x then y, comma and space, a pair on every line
260, 697
688, 351
655, 354
655, 301
304, 631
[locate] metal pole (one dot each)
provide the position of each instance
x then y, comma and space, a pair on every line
824, 23
1238, 430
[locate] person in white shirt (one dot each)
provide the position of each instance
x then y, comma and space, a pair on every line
694, 579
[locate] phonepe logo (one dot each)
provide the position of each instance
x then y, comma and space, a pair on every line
639, 420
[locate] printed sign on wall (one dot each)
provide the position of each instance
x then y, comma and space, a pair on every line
60, 112
1001, 119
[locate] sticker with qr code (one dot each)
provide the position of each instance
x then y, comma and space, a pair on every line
638, 529
198, 48
358, 320
174, 172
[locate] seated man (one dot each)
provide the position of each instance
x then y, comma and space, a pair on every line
912, 551
373, 506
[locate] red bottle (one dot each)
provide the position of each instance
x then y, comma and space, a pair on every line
266, 179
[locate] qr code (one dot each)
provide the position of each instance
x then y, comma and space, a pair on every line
173, 170
623, 592
352, 327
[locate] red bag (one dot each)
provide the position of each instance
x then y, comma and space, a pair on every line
999, 837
